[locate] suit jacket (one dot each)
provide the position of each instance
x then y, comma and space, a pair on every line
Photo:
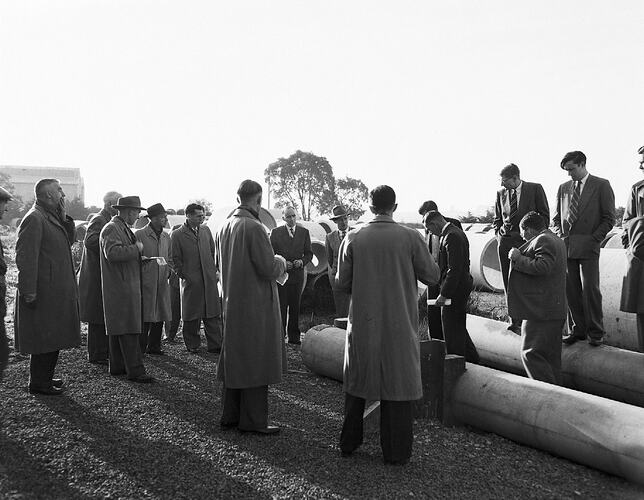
298, 247
596, 217
537, 281
533, 198
332, 245
454, 263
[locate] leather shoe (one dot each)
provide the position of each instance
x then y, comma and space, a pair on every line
596, 342
142, 379
571, 339
227, 427
269, 429
396, 462
49, 391
295, 342
57, 382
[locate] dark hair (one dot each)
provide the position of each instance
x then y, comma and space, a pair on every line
510, 170
532, 220
42, 184
248, 189
427, 206
193, 207
383, 198
577, 157
432, 215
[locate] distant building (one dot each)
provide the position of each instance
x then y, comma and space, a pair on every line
24, 179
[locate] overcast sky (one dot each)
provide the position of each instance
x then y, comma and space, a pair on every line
176, 100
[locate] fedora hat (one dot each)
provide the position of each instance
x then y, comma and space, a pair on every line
338, 212
156, 209
129, 202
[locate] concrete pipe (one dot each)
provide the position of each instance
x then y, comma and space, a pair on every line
604, 371
594, 431
316, 231
327, 224
323, 351
484, 262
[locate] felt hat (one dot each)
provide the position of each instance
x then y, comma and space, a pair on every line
338, 212
129, 202
156, 209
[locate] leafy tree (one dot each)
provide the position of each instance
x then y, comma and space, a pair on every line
76, 209
619, 215
207, 206
302, 180
471, 218
353, 194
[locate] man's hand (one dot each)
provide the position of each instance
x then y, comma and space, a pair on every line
298, 263
289, 265
61, 209
514, 254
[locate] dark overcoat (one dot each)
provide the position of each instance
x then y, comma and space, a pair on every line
194, 262
89, 275
155, 284
332, 245
537, 281
120, 279
632, 299
253, 352
379, 266
46, 269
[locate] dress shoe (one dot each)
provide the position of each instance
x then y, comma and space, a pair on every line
99, 362
571, 339
269, 429
156, 352
596, 342
396, 462
295, 342
48, 391
170, 340
116, 374
142, 379
57, 382
227, 427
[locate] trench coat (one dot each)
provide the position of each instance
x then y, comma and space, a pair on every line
253, 352
46, 269
89, 275
632, 299
194, 262
121, 279
379, 264
154, 277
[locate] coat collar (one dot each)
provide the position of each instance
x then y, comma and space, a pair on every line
382, 218
49, 215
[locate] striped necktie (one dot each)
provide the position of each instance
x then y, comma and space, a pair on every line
513, 206
573, 209
291, 232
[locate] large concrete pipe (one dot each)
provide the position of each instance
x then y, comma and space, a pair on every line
604, 371
587, 429
484, 261
323, 351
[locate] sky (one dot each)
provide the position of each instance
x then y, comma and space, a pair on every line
181, 100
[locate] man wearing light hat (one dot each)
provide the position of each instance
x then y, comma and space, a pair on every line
157, 264
121, 286
5, 197
332, 242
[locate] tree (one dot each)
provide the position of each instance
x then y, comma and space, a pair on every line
302, 180
619, 215
16, 208
207, 206
76, 209
352, 193
471, 218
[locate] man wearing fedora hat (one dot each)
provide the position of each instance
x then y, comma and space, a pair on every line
121, 286
157, 268
89, 283
5, 197
332, 242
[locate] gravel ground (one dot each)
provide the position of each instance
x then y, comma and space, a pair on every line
110, 438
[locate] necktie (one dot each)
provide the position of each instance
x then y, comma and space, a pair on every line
573, 209
291, 232
513, 206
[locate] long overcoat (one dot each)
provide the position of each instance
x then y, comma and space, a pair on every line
379, 265
253, 352
120, 279
89, 275
194, 262
155, 285
46, 269
632, 299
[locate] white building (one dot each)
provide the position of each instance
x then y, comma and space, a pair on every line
24, 179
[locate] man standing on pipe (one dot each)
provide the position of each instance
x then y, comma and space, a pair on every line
379, 265
516, 199
536, 294
633, 240
455, 284
585, 213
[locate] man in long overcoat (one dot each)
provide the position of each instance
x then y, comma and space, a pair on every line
253, 354
380, 264
46, 309
537, 295
121, 285
89, 283
157, 267
5, 197
332, 242
193, 250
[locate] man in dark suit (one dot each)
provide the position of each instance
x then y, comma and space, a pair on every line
536, 294
516, 199
455, 284
433, 243
292, 242
332, 244
584, 215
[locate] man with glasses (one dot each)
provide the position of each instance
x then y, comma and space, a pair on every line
513, 201
585, 213
193, 250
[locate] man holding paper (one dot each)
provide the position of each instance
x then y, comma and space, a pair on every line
156, 270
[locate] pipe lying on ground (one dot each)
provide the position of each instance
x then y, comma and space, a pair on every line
604, 371
484, 262
587, 429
